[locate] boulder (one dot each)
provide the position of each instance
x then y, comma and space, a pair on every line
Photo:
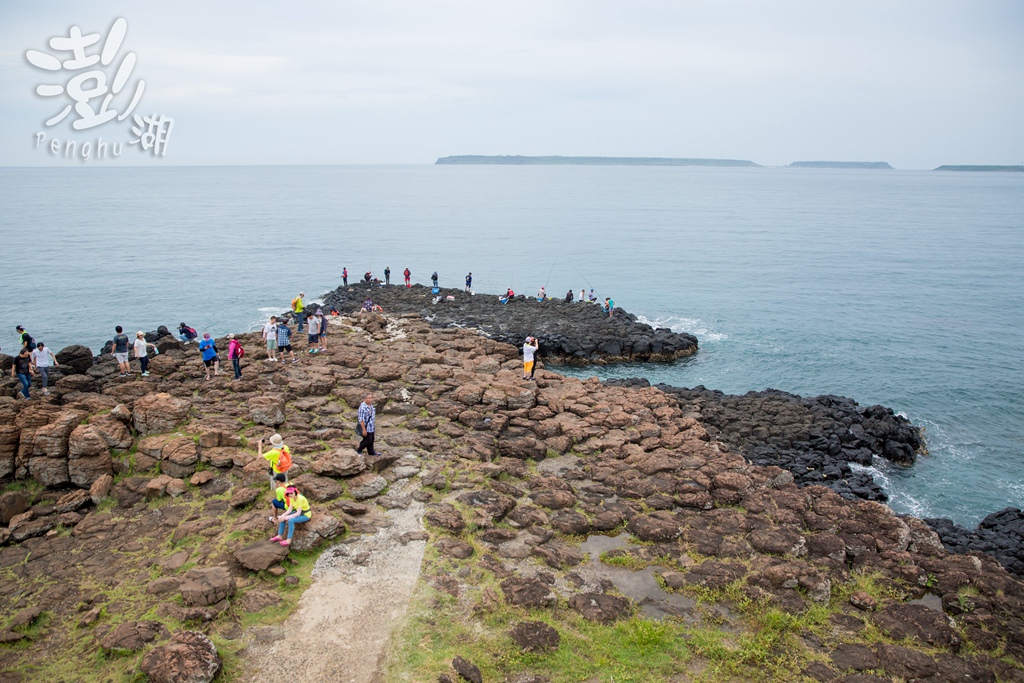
318, 488
535, 636
100, 488
527, 593
267, 410
157, 486
446, 517
322, 527
467, 670
493, 504
341, 462
86, 441
189, 657
599, 607
928, 626
244, 495
261, 556
367, 485
75, 359
12, 503
84, 471
132, 636
207, 586
156, 413
50, 472
70, 502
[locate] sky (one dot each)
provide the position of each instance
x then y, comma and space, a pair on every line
916, 83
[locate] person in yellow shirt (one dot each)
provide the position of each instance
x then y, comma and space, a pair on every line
296, 512
279, 457
278, 504
299, 309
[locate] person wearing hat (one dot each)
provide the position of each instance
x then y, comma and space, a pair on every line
279, 482
279, 457
296, 511
529, 349
210, 358
140, 346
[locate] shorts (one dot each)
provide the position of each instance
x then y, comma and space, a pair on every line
313, 338
271, 344
285, 348
527, 367
121, 357
278, 504
209, 363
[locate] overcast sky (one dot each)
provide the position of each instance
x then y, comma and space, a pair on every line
915, 83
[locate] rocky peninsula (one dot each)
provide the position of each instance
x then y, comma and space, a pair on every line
533, 532
577, 333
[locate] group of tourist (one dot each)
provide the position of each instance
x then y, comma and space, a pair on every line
288, 505
34, 358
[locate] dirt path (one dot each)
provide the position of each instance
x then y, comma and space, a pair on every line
345, 618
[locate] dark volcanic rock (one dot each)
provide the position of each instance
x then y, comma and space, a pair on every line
535, 636
815, 439
189, 657
576, 333
1001, 535
599, 607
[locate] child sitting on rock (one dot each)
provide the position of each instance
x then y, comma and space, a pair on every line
296, 511
280, 493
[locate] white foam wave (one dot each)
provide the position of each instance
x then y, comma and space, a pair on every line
899, 499
693, 326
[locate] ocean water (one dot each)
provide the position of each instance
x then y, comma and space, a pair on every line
895, 287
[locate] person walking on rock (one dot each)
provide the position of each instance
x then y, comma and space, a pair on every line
367, 428
26, 338
299, 309
140, 346
344, 277
22, 369
120, 351
284, 341
279, 457
42, 360
469, 283
209, 351
270, 336
235, 353
387, 275
408, 276
296, 512
529, 349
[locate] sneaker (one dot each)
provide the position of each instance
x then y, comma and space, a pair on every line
46, 392
122, 375
145, 374
294, 360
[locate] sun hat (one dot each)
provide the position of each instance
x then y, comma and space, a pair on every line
277, 440
291, 489
140, 333
231, 336
206, 335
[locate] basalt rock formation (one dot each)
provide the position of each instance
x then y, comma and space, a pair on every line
576, 333
134, 514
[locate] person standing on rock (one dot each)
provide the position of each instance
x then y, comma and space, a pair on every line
22, 369
582, 298
322, 337
284, 341
299, 309
42, 360
344, 277
529, 349
140, 346
387, 275
611, 306
314, 334
120, 351
26, 338
235, 356
296, 512
209, 351
367, 428
408, 276
279, 457
568, 297
469, 283
542, 295
433, 278
270, 336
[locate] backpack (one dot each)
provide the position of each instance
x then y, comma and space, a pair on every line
239, 351
284, 463
26, 337
295, 302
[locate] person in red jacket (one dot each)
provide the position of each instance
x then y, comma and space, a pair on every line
408, 274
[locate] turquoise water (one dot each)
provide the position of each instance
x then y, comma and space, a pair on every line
895, 287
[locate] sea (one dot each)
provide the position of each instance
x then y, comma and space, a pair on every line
904, 288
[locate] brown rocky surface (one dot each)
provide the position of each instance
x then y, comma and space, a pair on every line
516, 482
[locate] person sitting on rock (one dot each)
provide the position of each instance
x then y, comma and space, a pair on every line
367, 305
278, 504
279, 457
296, 511
568, 297
593, 297
542, 295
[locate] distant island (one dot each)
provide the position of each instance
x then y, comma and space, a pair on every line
842, 164
987, 169
505, 160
